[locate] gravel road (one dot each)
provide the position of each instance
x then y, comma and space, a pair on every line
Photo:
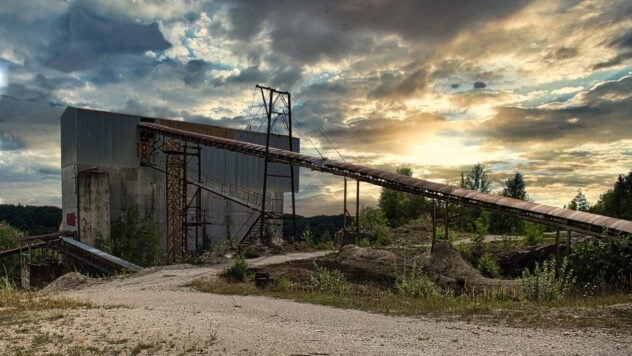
155, 307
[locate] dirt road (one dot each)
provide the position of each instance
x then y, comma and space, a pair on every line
156, 314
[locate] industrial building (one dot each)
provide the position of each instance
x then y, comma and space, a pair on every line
212, 194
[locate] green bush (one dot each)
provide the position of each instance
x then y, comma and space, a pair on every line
600, 261
373, 221
452, 235
327, 280
544, 284
135, 239
364, 242
239, 269
280, 283
326, 242
533, 233
488, 266
416, 284
481, 225
307, 236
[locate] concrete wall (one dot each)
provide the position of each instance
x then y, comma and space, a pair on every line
94, 205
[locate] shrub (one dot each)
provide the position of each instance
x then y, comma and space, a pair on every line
416, 284
488, 266
307, 236
452, 236
507, 242
364, 242
481, 225
280, 283
326, 242
374, 222
533, 233
327, 280
544, 284
239, 269
603, 260
135, 238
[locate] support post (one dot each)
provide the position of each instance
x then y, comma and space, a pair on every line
446, 222
289, 110
357, 227
434, 224
557, 251
344, 215
265, 165
568, 242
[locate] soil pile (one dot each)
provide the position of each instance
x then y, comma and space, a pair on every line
370, 264
445, 266
68, 281
448, 269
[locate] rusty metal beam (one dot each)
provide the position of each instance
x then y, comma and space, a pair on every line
586, 223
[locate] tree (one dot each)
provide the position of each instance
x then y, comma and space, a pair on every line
399, 207
617, 202
579, 202
476, 179
515, 187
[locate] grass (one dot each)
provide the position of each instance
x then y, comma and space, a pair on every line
490, 308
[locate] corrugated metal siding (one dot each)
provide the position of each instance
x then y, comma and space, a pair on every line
68, 137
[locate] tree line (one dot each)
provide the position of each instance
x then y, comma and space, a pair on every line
400, 208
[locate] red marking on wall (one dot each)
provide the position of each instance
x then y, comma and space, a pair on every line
70, 219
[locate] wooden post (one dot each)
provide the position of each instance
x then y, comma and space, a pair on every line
568, 242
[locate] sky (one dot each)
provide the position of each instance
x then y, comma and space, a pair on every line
537, 86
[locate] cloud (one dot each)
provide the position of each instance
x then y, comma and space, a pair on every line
601, 115
91, 40
309, 31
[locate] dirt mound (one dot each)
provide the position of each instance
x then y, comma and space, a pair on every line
448, 269
374, 263
68, 281
445, 266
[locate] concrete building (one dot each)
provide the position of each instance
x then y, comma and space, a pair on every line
103, 176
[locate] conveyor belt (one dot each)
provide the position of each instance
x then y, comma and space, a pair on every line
587, 223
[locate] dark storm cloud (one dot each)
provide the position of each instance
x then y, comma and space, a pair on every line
308, 30
603, 117
479, 85
30, 115
561, 54
90, 40
399, 85
623, 43
10, 142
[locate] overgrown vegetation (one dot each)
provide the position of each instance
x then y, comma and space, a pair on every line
603, 262
416, 284
533, 233
10, 265
399, 207
488, 266
374, 227
414, 293
547, 283
135, 238
329, 280
239, 269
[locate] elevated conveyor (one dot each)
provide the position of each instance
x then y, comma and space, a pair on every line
582, 222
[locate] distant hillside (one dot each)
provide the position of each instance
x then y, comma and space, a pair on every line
318, 224
33, 220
